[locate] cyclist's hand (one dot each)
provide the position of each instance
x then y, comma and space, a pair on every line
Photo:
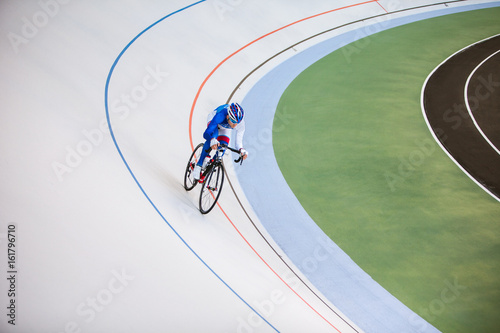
243, 153
214, 144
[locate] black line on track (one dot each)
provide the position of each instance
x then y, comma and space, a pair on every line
257, 68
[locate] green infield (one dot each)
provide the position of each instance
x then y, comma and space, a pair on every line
357, 153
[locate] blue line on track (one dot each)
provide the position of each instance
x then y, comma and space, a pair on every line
133, 175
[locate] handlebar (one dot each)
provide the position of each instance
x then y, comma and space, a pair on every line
222, 147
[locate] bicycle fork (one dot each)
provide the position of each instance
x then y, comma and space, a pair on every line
210, 172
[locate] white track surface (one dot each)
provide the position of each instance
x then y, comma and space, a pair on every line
93, 254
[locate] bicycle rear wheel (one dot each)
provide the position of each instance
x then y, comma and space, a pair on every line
212, 188
189, 182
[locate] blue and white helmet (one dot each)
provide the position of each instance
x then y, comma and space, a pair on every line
235, 113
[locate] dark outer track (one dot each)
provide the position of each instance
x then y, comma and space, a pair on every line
445, 108
484, 98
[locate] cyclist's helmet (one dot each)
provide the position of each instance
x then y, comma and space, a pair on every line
235, 113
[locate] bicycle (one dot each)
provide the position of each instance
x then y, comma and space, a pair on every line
211, 177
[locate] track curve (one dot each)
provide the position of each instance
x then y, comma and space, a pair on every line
483, 99
445, 108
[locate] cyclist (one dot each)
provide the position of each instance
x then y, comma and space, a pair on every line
220, 123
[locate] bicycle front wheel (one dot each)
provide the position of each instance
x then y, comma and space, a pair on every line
212, 188
189, 182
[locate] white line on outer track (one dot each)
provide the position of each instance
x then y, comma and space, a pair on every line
466, 88
422, 106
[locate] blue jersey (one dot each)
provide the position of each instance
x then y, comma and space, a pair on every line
219, 119
218, 128
217, 124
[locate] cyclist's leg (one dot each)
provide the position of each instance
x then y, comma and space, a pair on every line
221, 138
204, 153
206, 146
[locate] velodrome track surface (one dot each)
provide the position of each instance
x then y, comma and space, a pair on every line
468, 129
103, 245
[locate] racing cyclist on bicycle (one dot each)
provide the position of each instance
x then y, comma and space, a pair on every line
220, 123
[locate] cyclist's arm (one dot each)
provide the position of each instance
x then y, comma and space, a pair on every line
211, 131
240, 131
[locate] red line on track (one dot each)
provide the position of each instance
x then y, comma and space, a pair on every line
191, 136
272, 270
382, 7
247, 45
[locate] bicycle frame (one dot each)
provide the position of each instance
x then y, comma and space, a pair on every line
219, 154
212, 177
